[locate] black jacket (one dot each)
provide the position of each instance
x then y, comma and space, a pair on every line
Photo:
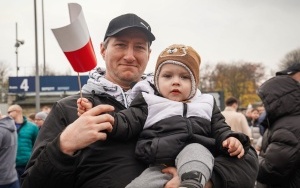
165, 127
102, 164
228, 172
280, 153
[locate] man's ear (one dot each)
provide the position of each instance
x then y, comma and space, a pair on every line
102, 50
150, 50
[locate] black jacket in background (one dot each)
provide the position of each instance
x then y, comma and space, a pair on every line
280, 153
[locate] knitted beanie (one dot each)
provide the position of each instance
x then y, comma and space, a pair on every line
41, 115
182, 55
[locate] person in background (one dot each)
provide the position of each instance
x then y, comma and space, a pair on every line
237, 121
279, 158
162, 114
261, 109
8, 152
253, 117
254, 126
262, 116
247, 114
27, 134
31, 117
40, 118
46, 109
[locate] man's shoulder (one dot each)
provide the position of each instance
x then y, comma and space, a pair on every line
70, 100
32, 125
28, 128
233, 114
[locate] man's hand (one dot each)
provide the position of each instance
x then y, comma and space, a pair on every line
87, 129
175, 181
235, 147
208, 184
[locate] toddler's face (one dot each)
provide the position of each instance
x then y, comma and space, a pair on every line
174, 82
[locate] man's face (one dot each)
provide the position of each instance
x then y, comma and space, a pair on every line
296, 76
255, 114
13, 112
126, 56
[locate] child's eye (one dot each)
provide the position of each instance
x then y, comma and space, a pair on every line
166, 75
185, 77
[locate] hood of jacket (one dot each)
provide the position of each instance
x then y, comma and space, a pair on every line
8, 123
280, 96
98, 84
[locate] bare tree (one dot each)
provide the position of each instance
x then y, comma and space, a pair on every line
206, 82
4, 72
290, 58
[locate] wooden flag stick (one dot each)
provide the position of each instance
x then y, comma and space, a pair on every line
79, 83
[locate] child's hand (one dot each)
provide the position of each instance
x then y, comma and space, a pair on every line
83, 105
235, 147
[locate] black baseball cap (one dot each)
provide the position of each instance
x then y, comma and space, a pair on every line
126, 21
292, 69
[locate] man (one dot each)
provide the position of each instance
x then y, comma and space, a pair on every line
237, 121
8, 152
27, 134
75, 152
279, 160
46, 109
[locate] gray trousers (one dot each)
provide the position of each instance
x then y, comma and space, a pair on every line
194, 157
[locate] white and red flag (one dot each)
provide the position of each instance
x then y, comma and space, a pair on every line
75, 41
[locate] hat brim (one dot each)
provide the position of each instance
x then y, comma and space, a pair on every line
285, 72
150, 36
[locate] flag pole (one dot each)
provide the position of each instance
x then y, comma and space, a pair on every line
79, 83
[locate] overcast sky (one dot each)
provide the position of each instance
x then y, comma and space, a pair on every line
220, 30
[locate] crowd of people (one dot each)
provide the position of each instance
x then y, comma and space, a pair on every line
273, 128
130, 129
18, 134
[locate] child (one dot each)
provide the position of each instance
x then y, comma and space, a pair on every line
177, 125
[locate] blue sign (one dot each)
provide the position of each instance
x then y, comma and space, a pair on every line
47, 83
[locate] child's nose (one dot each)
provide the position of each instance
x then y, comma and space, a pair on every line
176, 80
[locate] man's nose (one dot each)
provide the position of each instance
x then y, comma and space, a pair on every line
129, 54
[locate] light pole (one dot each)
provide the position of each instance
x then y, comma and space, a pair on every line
37, 76
44, 54
17, 45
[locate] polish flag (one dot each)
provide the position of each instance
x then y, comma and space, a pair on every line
75, 41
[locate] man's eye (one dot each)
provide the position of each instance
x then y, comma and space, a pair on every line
141, 47
120, 44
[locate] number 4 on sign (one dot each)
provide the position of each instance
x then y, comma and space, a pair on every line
24, 85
